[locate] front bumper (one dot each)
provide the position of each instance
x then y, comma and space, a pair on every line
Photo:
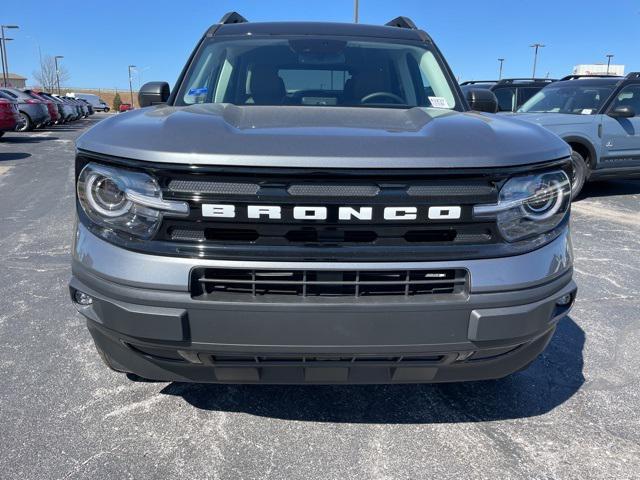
145, 321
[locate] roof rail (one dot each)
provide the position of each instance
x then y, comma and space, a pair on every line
232, 17
473, 82
529, 79
402, 22
598, 75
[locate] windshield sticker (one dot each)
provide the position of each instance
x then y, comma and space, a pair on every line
198, 91
587, 111
439, 102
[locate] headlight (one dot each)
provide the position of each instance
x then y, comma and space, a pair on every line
124, 200
529, 206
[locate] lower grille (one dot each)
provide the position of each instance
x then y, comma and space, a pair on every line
323, 360
213, 283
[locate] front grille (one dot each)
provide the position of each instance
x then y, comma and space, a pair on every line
322, 360
241, 235
220, 283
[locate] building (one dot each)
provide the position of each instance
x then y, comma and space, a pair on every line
15, 81
598, 69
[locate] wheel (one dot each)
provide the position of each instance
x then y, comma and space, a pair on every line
28, 124
106, 110
580, 173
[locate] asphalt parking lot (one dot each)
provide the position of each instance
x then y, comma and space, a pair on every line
572, 414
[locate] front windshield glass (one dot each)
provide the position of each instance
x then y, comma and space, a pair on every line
572, 99
316, 72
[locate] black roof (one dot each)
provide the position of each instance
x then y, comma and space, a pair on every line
320, 28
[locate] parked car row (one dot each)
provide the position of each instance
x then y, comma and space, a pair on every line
26, 110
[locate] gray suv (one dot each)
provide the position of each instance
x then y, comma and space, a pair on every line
600, 119
317, 203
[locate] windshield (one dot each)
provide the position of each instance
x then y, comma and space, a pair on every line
572, 99
316, 72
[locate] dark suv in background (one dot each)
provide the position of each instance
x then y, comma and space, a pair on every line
511, 93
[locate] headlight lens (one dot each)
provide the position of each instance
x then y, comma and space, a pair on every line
529, 206
124, 201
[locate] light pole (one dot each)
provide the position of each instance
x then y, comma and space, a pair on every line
356, 11
130, 87
5, 63
57, 71
2, 42
501, 60
609, 57
4, 72
535, 56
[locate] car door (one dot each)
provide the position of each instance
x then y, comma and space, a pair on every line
621, 136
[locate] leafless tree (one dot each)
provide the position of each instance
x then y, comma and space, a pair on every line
46, 76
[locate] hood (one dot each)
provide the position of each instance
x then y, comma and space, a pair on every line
554, 119
334, 137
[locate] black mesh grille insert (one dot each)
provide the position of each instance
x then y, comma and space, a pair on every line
210, 283
451, 189
315, 190
221, 188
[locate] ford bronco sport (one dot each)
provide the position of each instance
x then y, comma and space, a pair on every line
317, 203
599, 117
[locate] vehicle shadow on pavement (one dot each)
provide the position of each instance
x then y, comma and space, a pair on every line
25, 139
6, 157
550, 381
609, 188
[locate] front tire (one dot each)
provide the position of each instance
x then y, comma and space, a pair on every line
580, 173
28, 124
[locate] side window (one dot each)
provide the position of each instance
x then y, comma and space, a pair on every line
629, 97
525, 93
10, 94
505, 96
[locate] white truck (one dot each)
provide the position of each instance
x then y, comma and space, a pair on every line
98, 104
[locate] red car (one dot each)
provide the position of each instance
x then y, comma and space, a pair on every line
9, 116
124, 107
52, 107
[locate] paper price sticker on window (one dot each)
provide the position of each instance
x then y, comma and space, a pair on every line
439, 102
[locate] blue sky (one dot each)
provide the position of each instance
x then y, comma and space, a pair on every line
471, 34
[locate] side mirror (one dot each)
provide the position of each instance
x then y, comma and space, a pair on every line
153, 93
622, 112
482, 100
